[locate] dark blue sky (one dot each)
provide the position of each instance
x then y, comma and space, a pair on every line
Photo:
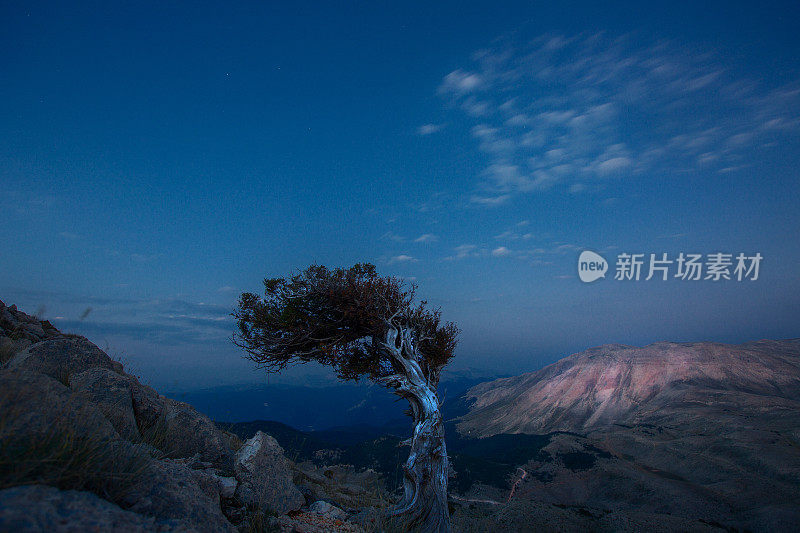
157, 160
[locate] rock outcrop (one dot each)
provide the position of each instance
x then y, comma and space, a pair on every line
265, 476
84, 446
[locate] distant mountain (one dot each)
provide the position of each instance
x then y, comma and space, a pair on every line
318, 408
705, 433
663, 384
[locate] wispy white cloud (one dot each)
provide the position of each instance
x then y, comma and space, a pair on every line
490, 200
167, 321
464, 251
427, 237
403, 258
428, 129
572, 112
511, 235
521, 250
391, 236
460, 83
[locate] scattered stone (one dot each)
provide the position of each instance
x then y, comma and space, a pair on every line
340, 484
19, 326
313, 523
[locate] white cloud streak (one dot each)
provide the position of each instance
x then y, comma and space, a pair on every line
429, 129
574, 112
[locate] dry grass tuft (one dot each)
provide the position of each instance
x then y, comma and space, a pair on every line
62, 457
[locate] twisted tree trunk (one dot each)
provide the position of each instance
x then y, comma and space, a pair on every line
424, 504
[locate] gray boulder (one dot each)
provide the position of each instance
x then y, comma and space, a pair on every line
189, 432
265, 476
327, 510
34, 405
148, 405
111, 393
173, 491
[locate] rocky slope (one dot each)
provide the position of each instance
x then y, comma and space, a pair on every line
86, 446
659, 383
706, 432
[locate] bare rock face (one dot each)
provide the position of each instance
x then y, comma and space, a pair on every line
227, 485
265, 476
95, 441
39, 409
43, 508
111, 393
63, 357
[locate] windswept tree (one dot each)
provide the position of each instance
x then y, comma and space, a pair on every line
364, 325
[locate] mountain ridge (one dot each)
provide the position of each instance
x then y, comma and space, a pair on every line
616, 383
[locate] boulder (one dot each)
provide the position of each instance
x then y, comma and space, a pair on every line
111, 393
173, 491
327, 510
42, 508
33, 405
265, 476
189, 432
63, 357
53, 436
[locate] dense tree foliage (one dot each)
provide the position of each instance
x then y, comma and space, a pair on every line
339, 318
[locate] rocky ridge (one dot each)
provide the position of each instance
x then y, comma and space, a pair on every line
86, 446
